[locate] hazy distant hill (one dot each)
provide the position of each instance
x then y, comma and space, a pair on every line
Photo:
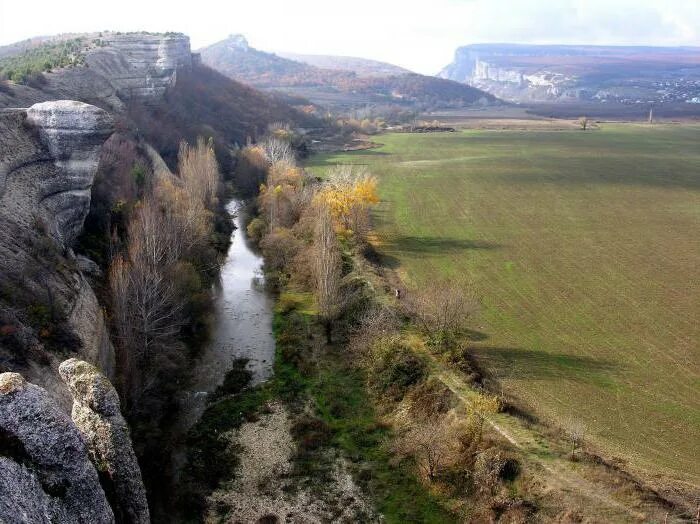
336, 88
627, 75
361, 66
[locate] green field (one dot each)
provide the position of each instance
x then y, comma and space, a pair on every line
585, 249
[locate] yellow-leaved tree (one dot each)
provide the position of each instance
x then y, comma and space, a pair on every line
349, 193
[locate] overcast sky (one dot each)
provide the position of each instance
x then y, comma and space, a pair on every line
419, 35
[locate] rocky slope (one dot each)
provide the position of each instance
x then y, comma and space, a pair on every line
115, 68
45, 471
540, 73
96, 413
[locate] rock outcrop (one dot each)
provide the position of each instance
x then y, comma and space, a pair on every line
117, 68
49, 155
45, 471
140, 65
97, 415
72, 133
578, 73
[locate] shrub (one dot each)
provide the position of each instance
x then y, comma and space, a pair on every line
310, 433
256, 229
394, 368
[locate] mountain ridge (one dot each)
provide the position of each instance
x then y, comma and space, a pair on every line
574, 73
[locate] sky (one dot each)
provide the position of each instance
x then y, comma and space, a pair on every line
419, 35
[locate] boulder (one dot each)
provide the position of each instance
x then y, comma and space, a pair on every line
45, 471
97, 414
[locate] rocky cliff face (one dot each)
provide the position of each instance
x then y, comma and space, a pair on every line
122, 67
54, 469
72, 134
48, 159
140, 65
543, 73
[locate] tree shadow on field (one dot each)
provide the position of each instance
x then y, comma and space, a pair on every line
518, 363
428, 246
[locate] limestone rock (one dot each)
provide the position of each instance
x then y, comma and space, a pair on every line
48, 159
45, 471
123, 67
96, 413
140, 65
73, 133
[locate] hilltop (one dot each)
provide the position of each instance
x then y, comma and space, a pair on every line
154, 80
360, 66
333, 87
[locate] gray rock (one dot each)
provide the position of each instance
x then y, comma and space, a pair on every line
96, 413
48, 160
139, 65
73, 133
124, 67
45, 471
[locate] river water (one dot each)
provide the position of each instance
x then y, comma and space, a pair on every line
242, 327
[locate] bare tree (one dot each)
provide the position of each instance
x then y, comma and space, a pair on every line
583, 122
442, 308
433, 445
327, 270
278, 150
199, 171
146, 310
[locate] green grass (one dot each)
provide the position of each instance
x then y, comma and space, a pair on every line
585, 249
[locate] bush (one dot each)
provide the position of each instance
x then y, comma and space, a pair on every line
310, 433
394, 368
256, 229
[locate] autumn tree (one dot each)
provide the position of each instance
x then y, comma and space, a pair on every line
480, 406
349, 192
167, 228
442, 308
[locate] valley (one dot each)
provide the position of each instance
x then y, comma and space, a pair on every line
581, 256
240, 285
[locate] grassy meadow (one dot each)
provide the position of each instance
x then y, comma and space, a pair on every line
585, 250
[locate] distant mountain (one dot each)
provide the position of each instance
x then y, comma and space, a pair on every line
336, 88
360, 66
556, 73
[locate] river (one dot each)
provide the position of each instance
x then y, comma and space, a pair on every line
242, 327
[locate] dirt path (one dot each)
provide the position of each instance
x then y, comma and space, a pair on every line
560, 473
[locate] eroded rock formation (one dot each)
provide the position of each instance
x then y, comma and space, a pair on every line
48, 159
45, 471
141, 65
96, 413
122, 67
